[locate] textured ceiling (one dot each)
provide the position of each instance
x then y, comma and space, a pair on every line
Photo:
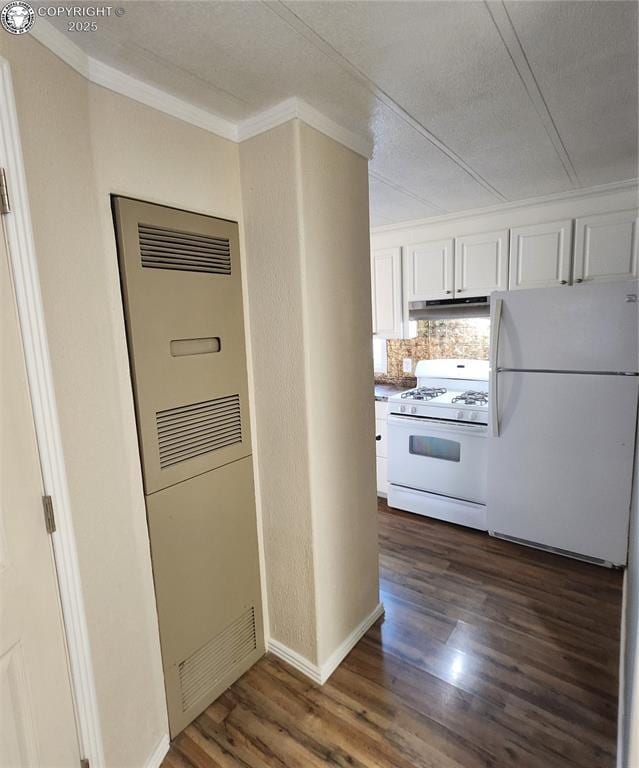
468, 103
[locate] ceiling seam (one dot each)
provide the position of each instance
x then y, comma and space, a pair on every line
404, 191
308, 33
516, 52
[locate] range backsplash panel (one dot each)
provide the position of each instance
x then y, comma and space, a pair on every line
467, 338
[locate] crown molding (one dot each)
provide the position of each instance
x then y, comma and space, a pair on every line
115, 80
293, 108
555, 197
118, 81
65, 49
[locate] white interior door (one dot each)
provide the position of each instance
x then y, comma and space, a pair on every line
481, 264
540, 255
606, 247
37, 726
429, 271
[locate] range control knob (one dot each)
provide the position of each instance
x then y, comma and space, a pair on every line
413, 409
402, 408
460, 414
474, 416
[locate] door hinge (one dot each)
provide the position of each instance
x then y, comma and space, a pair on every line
49, 516
5, 205
84, 763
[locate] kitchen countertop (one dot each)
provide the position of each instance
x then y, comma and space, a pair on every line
384, 391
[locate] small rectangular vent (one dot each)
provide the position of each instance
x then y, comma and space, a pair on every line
192, 430
547, 548
213, 661
187, 251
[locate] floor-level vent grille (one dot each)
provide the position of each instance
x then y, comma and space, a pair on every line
192, 430
547, 548
209, 664
187, 251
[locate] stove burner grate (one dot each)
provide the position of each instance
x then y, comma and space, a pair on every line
424, 393
471, 397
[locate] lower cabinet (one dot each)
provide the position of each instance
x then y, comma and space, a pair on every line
381, 411
382, 478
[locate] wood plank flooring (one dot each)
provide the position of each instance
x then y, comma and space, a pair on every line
490, 654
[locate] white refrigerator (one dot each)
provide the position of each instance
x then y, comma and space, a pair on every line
564, 388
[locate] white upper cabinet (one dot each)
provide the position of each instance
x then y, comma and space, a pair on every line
606, 247
429, 271
540, 255
481, 264
386, 284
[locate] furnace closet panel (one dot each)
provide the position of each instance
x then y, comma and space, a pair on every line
182, 295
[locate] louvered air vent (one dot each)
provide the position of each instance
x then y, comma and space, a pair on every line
188, 251
210, 663
191, 430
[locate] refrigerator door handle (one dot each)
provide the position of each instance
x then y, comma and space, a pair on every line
494, 371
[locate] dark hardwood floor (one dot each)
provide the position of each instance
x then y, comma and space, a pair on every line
490, 654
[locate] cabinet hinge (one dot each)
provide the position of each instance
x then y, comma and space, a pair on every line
84, 763
5, 205
49, 516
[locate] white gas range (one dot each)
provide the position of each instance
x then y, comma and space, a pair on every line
437, 443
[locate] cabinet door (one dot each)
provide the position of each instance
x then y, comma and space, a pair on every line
606, 247
386, 283
481, 264
382, 477
540, 255
429, 271
381, 438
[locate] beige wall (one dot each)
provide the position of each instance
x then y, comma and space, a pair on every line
337, 306
274, 284
80, 143
274, 279
306, 211
308, 277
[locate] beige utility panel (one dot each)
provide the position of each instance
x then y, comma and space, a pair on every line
182, 293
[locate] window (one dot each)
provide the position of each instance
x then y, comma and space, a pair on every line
380, 360
434, 447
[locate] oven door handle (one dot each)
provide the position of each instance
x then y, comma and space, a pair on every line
435, 425
495, 328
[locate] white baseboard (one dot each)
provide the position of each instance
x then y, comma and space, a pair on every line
342, 651
296, 660
159, 753
320, 673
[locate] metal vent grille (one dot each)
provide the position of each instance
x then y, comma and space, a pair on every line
188, 251
547, 548
213, 661
191, 430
